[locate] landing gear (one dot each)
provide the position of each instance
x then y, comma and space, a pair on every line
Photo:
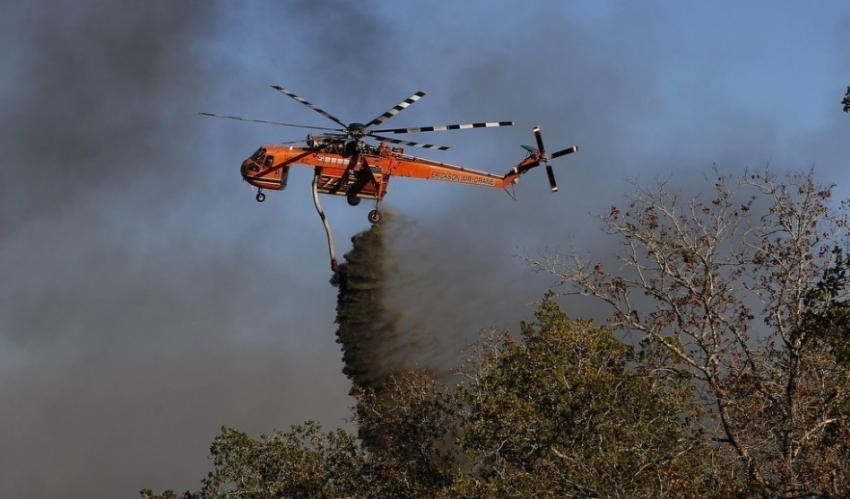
353, 200
375, 216
261, 197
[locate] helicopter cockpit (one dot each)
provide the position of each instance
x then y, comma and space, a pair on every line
259, 170
257, 161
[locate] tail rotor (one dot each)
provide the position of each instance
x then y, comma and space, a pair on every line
543, 158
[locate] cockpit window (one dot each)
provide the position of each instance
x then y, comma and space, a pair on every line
259, 154
269, 162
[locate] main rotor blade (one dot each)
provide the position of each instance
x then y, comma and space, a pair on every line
397, 109
539, 138
311, 106
551, 175
564, 152
441, 128
414, 144
269, 122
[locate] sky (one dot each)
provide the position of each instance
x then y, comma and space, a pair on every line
147, 299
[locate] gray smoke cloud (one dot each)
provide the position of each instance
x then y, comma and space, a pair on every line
368, 329
399, 309
147, 300
144, 304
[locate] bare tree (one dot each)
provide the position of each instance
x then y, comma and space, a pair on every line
724, 282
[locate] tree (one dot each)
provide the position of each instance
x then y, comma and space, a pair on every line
567, 410
827, 316
301, 463
412, 430
738, 386
560, 414
725, 286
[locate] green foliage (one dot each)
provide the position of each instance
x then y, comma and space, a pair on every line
827, 320
410, 432
566, 411
301, 463
827, 316
561, 414
746, 290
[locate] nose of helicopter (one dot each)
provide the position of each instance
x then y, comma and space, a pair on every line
252, 167
260, 171
249, 168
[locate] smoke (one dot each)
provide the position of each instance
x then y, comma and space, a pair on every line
386, 319
141, 301
94, 103
382, 335
368, 329
142, 283
410, 299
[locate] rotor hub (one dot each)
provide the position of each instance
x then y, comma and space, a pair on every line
357, 130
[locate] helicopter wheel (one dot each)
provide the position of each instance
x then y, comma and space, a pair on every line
375, 216
261, 197
353, 200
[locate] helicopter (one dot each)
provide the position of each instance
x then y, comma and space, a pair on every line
346, 165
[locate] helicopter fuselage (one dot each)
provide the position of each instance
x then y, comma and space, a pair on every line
352, 168
345, 165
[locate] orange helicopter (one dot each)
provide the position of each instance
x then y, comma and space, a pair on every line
345, 165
